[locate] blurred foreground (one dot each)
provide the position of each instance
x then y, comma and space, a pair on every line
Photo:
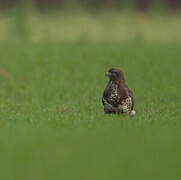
80, 155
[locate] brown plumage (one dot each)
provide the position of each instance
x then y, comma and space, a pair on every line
117, 97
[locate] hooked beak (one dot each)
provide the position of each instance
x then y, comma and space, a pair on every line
108, 74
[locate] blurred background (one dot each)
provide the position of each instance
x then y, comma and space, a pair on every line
152, 21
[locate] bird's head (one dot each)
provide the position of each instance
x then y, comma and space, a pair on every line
115, 74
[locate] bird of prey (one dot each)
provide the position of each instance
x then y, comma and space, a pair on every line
117, 97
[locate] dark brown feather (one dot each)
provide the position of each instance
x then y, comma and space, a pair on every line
117, 93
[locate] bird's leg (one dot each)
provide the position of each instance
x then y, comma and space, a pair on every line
109, 111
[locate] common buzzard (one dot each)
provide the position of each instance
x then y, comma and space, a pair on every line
117, 97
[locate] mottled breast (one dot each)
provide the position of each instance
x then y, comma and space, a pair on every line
126, 105
113, 96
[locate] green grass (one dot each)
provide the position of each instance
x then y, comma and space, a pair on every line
52, 124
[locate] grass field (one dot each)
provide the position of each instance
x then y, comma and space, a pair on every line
52, 124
